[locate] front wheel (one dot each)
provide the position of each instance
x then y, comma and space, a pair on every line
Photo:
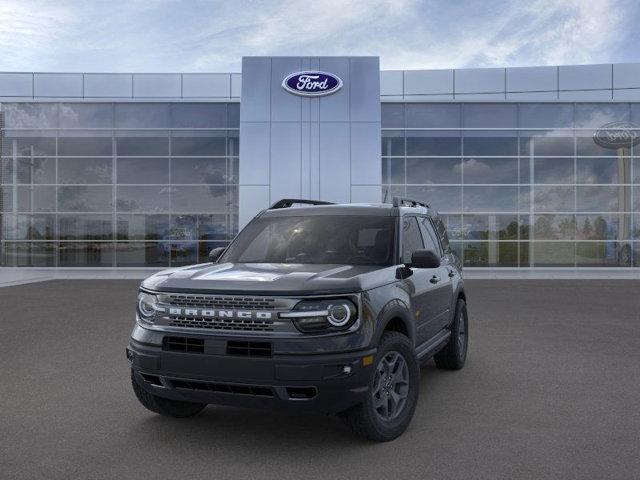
393, 392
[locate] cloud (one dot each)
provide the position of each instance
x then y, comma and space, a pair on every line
199, 35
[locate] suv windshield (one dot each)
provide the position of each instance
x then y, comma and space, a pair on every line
340, 239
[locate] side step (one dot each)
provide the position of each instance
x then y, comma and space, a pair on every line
429, 347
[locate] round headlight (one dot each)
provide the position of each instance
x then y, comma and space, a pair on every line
339, 315
146, 305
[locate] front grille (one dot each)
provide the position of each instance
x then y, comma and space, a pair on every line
249, 349
254, 390
243, 325
183, 344
219, 302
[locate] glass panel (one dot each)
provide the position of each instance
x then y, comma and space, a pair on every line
85, 227
490, 170
207, 143
525, 227
553, 254
602, 226
392, 143
183, 253
79, 254
29, 146
432, 115
524, 199
603, 199
142, 227
554, 199
233, 170
40, 254
36, 170
233, 111
30, 115
554, 227
140, 254
6, 199
603, 170
212, 227
142, 170
199, 199
199, 115
488, 115
603, 254
585, 145
598, 114
393, 170
205, 247
490, 227
636, 170
454, 226
85, 199
411, 238
85, 170
37, 199
491, 254
546, 144
553, 170
233, 143
434, 170
490, 199
443, 199
183, 228
489, 145
392, 115
143, 199
388, 192
6, 171
35, 227
142, 146
433, 143
545, 115
142, 115
86, 115
199, 170
90, 146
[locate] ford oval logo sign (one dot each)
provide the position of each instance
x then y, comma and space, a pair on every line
312, 84
617, 135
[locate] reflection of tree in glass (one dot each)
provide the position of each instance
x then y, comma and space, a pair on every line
587, 229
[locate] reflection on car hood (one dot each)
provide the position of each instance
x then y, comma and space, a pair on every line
270, 278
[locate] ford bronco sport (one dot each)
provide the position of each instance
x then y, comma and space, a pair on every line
314, 307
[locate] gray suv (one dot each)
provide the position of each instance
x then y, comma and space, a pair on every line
313, 307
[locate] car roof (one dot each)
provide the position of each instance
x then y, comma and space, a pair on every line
373, 209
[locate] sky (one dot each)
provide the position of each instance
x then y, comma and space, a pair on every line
212, 36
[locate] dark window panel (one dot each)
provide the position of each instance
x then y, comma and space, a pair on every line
142, 146
554, 199
392, 143
36, 199
553, 254
35, 227
212, 227
490, 227
142, 227
541, 144
603, 170
545, 115
142, 115
490, 199
85, 227
490, 145
199, 170
488, 115
199, 199
30, 115
199, 146
29, 146
525, 227
85, 170
603, 254
490, 170
199, 115
85, 199
86, 115
443, 199
233, 111
90, 146
142, 254
142, 170
139, 198
490, 254
603, 198
40, 254
36, 170
553, 170
393, 170
433, 143
80, 254
432, 115
598, 114
434, 170
392, 115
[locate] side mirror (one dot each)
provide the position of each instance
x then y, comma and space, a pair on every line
425, 259
214, 254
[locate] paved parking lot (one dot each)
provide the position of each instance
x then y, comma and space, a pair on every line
551, 390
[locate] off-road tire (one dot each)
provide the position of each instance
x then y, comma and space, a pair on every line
454, 354
164, 406
363, 418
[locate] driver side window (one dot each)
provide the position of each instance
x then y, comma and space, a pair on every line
411, 238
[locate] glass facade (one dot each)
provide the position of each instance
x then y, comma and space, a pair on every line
520, 184
117, 184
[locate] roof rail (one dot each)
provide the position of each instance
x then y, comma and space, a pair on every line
289, 202
407, 202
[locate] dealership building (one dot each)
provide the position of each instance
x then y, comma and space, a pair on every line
531, 167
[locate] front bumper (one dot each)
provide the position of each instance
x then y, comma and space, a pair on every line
326, 382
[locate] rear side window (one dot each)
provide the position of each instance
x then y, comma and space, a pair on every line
411, 238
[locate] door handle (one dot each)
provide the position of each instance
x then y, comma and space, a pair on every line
435, 279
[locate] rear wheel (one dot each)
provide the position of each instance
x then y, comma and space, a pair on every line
454, 354
164, 406
393, 392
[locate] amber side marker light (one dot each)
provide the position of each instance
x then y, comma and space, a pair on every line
368, 360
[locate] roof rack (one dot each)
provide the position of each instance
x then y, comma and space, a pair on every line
407, 202
289, 202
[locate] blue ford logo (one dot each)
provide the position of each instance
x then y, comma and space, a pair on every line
312, 84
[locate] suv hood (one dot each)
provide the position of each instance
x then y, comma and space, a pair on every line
270, 278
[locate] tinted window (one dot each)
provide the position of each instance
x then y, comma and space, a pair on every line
411, 238
317, 239
430, 237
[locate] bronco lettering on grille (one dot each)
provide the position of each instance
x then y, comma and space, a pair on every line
210, 313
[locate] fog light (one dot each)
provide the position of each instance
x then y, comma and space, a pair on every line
368, 360
346, 369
